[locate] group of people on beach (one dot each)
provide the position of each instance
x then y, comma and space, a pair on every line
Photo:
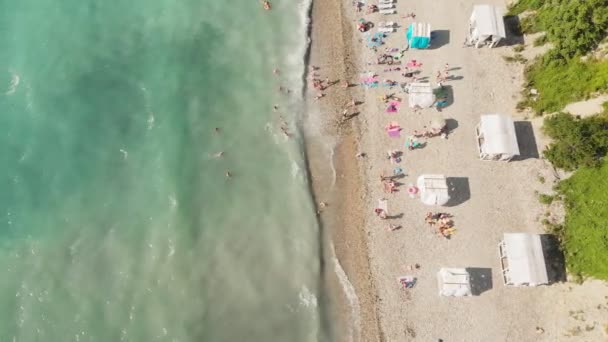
443, 222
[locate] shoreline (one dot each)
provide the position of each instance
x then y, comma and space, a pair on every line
336, 178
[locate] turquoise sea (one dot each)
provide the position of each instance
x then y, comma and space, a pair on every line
118, 222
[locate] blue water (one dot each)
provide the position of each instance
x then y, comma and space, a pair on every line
119, 223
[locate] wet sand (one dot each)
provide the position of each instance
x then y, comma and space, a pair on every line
335, 171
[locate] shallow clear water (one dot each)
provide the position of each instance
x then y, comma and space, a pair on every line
118, 221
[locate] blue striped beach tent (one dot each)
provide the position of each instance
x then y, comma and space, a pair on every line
419, 35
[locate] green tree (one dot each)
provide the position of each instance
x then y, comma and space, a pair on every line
576, 142
574, 26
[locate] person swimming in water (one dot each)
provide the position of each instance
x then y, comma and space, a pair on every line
266, 5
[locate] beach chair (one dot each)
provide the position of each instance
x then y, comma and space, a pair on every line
386, 1
386, 29
388, 11
390, 24
385, 6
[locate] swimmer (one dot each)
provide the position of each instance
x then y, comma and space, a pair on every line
275, 108
276, 71
219, 154
285, 132
228, 174
216, 130
266, 5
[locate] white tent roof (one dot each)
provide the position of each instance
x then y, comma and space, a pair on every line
421, 30
421, 94
488, 21
433, 189
454, 282
525, 260
496, 135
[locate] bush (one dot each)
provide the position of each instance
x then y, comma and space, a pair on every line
576, 142
584, 235
540, 41
545, 199
518, 57
560, 83
524, 5
574, 26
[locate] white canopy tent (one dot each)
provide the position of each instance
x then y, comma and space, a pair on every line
496, 138
421, 95
486, 26
454, 282
522, 260
433, 189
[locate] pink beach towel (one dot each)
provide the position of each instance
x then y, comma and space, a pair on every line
394, 132
414, 64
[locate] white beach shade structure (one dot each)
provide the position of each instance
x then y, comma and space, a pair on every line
454, 282
486, 26
433, 189
522, 260
418, 35
496, 138
421, 95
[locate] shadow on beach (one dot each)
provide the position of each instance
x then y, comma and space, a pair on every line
526, 140
459, 190
481, 279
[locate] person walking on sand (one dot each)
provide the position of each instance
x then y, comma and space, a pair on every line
319, 95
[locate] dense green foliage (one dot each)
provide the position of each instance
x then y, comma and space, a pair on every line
576, 142
584, 235
560, 84
574, 28
525, 5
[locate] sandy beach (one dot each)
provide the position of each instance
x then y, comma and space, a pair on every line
489, 198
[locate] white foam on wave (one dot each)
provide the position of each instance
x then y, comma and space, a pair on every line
15, 79
296, 170
354, 327
151, 118
307, 298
